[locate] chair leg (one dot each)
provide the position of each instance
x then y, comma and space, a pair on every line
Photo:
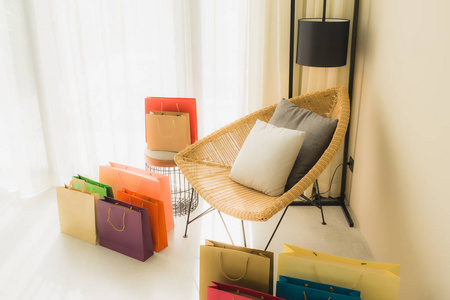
282, 216
319, 198
189, 212
226, 228
197, 217
243, 233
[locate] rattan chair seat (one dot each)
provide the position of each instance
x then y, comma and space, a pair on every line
207, 163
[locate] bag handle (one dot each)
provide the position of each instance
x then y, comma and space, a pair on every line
178, 107
331, 288
131, 193
123, 186
82, 183
123, 220
79, 181
228, 277
142, 204
171, 134
304, 295
238, 292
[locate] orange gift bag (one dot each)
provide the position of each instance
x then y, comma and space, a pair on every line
156, 215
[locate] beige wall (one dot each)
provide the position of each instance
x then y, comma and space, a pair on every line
400, 139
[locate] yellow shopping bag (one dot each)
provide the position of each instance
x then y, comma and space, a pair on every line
375, 280
77, 211
241, 266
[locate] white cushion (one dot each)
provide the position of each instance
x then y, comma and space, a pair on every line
267, 157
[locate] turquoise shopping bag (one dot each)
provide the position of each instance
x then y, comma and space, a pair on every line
290, 288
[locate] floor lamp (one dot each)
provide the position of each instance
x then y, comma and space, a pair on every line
323, 42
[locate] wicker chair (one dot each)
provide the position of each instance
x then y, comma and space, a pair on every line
207, 163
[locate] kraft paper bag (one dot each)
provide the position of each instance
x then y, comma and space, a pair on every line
290, 288
77, 212
156, 215
124, 228
94, 187
167, 131
375, 280
249, 268
223, 291
153, 185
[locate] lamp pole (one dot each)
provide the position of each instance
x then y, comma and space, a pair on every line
341, 201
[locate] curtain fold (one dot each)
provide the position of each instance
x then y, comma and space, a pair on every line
76, 73
24, 163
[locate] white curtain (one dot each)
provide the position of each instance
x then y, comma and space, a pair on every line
24, 161
240, 57
74, 76
309, 79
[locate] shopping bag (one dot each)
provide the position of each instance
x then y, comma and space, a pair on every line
290, 288
94, 187
150, 184
249, 268
187, 105
77, 211
124, 228
223, 291
374, 280
167, 131
156, 216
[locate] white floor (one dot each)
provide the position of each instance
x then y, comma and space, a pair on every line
38, 262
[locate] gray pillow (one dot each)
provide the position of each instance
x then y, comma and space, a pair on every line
319, 132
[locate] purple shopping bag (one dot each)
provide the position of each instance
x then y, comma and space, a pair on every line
124, 228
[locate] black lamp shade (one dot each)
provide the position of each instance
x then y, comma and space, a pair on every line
322, 44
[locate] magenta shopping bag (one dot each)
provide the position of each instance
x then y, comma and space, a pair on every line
124, 228
222, 291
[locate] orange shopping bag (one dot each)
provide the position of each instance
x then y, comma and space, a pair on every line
144, 182
156, 215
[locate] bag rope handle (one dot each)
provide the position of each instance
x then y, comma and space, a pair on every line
178, 107
123, 186
331, 288
304, 295
262, 297
79, 181
123, 221
171, 134
228, 277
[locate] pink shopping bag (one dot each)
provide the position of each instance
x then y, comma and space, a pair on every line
222, 291
152, 185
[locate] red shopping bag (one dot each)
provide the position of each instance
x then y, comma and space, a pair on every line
223, 291
187, 105
144, 182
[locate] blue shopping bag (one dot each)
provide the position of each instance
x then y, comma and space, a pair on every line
290, 288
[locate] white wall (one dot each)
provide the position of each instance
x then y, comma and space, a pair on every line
400, 140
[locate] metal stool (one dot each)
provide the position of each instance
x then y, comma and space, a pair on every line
161, 162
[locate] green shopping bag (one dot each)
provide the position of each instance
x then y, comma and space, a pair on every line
94, 187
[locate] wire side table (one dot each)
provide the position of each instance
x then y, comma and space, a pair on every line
180, 189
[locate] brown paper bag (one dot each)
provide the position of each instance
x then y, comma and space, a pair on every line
77, 212
168, 131
245, 267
